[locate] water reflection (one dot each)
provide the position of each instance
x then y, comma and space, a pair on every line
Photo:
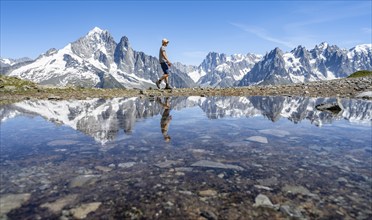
104, 119
229, 158
165, 117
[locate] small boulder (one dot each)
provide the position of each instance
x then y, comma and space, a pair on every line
333, 108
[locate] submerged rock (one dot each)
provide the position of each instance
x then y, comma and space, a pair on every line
167, 164
263, 201
259, 139
212, 164
275, 132
298, 190
263, 187
83, 210
83, 180
208, 215
103, 168
58, 205
291, 212
126, 165
272, 181
12, 201
208, 192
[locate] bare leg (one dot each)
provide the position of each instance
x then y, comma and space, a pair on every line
167, 84
166, 79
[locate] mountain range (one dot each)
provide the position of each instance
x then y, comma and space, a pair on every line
12, 62
96, 60
104, 119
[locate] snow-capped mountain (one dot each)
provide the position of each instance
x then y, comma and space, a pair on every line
7, 64
324, 62
220, 70
104, 119
96, 60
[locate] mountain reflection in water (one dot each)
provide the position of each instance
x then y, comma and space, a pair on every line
103, 119
185, 158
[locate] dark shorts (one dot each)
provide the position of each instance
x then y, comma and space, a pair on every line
165, 68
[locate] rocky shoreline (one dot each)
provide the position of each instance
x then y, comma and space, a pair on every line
343, 88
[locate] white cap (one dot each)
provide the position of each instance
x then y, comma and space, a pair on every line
165, 40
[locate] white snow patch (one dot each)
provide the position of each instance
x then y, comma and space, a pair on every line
197, 74
330, 75
223, 67
7, 61
95, 30
292, 64
297, 79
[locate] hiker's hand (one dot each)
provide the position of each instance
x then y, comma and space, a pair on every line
169, 63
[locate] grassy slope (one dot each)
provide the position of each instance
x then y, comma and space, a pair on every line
361, 73
16, 83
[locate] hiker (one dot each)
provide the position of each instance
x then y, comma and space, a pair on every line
165, 118
165, 64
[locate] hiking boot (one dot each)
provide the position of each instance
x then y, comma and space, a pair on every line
158, 84
167, 87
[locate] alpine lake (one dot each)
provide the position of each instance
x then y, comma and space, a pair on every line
254, 157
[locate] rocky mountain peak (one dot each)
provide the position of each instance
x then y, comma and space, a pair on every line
51, 51
98, 35
124, 55
322, 46
216, 57
362, 49
273, 55
300, 52
96, 30
276, 52
212, 60
98, 43
124, 42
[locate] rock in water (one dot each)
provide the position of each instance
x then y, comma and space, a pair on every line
58, 205
12, 201
334, 108
258, 139
262, 200
82, 211
208, 192
211, 164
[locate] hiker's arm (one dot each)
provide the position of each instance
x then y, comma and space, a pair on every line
163, 53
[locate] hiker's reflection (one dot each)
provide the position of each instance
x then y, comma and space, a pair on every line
165, 118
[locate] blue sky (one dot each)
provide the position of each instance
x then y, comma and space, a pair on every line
194, 28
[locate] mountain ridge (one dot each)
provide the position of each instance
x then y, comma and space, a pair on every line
96, 60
